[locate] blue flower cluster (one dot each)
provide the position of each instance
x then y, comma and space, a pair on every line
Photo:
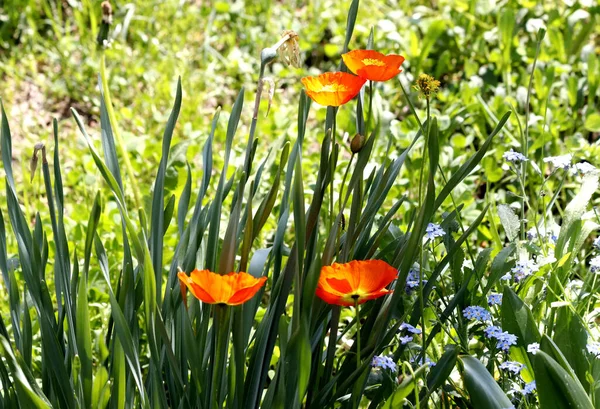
413, 279
406, 339
512, 366
521, 270
434, 230
529, 388
504, 339
560, 162
514, 157
494, 299
492, 331
583, 168
384, 362
411, 331
550, 233
477, 313
405, 326
420, 361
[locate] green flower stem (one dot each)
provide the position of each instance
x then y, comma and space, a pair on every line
370, 115
257, 99
422, 254
357, 311
412, 375
332, 113
120, 143
222, 315
445, 180
341, 200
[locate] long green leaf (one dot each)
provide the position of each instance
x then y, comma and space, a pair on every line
484, 391
557, 389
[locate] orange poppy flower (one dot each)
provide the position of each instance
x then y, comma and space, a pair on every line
213, 288
343, 284
373, 65
333, 88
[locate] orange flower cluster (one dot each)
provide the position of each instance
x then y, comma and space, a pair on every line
337, 88
341, 284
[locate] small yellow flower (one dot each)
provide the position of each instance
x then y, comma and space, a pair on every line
427, 85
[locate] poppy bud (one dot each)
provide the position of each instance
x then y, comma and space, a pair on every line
357, 143
34, 159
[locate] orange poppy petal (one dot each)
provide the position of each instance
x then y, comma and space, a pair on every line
378, 73
331, 298
374, 274
333, 88
375, 295
328, 272
247, 292
341, 286
373, 65
183, 289
194, 289
202, 285
212, 288
354, 59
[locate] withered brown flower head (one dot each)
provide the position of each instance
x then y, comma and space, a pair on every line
289, 51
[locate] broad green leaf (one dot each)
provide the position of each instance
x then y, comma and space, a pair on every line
517, 319
484, 391
571, 337
557, 388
